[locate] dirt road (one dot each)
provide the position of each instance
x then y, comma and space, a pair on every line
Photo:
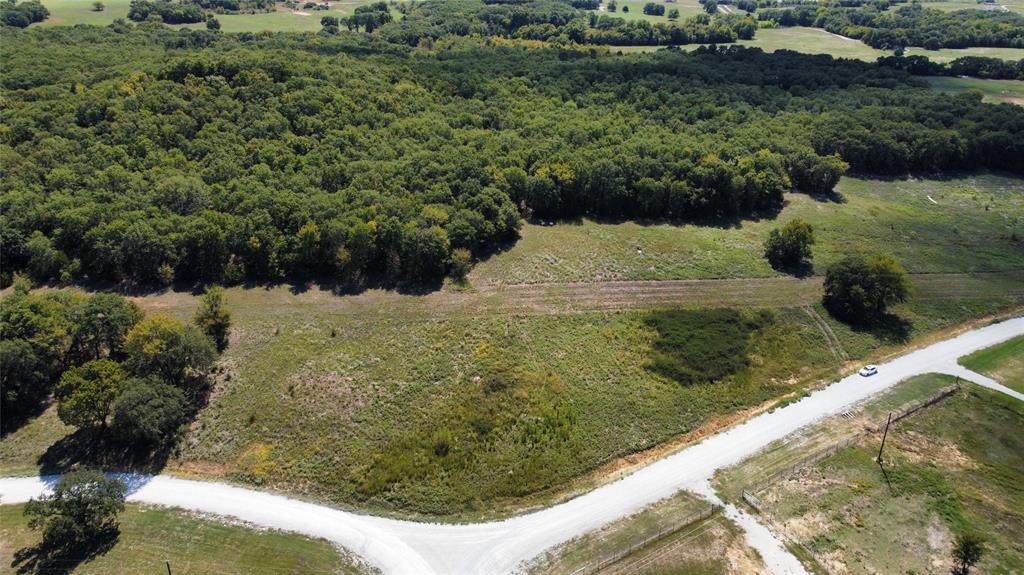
499, 547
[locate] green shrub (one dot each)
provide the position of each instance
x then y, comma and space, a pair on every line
696, 347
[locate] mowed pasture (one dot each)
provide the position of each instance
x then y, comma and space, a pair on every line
953, 468
971, 224
72, 12
1003, 363
194, 544
995, 91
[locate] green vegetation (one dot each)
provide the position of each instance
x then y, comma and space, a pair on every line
79, 516
102, 361
908, 25
970, 227
709, 546
789, 247
860, 289
702, 347
194, 544
993, 90
559, 22
818, 41
233, 210
21, 15
950, 470
213, 317
1003, 362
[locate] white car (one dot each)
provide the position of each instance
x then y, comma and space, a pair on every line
868, 370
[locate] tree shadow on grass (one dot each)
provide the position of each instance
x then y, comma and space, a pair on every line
804, 269
888, 328
52, 559
85, 448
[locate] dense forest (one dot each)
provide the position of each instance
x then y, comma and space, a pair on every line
881, 26
149, 155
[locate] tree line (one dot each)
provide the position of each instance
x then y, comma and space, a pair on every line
879, 26
216, 158
973, 66
554, 21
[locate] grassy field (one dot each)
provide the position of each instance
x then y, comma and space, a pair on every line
710, 546
1004, 363
71, 12
487, 399
951, 5
955, 467
818, 41
686, 9
1011, 91
969, 227
194, 544
784, 454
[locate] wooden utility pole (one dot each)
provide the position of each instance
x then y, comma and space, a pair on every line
884, 435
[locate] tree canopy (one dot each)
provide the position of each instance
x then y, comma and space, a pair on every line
146, 155
83, 505
860, 288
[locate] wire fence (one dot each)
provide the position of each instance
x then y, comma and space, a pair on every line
678, 524
752, 489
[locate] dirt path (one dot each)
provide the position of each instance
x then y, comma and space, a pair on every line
586, 297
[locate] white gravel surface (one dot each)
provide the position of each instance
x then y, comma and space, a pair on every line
500, 547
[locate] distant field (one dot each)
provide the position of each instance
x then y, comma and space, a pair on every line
1004, 363
194, 544
952, 468
951, 5
969, 227
1011, 91
71, 12
686, 9
818, 41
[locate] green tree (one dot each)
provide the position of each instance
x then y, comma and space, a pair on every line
789, 246
36, 338
213, 317
966, 553
307, 244
859, 288
178, 353
711, 6
673, 14
84, 504
462, 262
23, 378
213, 24
98, 7
100, 326
45, 261
85, 393
148, 412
